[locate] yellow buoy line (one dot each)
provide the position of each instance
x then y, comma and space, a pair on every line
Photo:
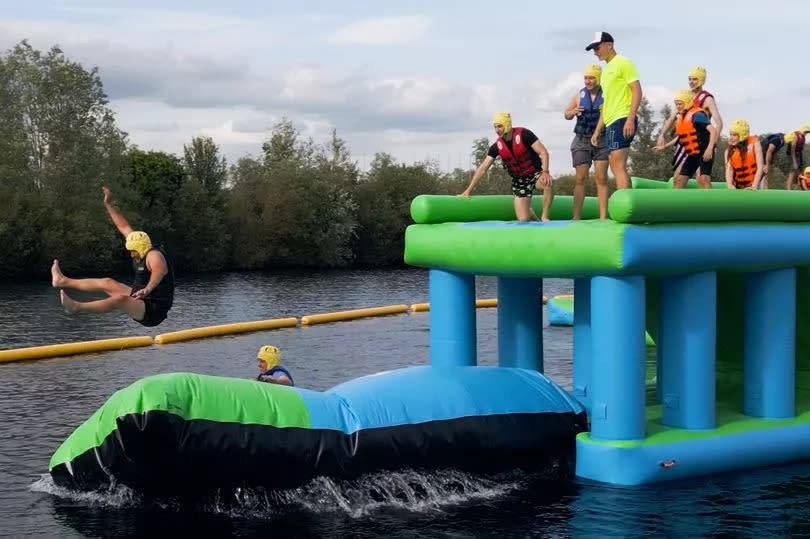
102, 345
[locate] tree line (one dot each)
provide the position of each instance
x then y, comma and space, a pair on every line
299, 203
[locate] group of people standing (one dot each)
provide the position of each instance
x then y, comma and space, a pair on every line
606, 110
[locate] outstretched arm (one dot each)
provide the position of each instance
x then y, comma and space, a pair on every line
120, 222
485, 164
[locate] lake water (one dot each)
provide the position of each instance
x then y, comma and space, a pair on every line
43, 401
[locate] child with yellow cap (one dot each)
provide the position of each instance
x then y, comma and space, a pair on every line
804, 180
525, 159
150, 296
270, 369
795, 149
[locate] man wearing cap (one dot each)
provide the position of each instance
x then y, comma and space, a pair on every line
147, 300
525, 159
795, 149
622, 96
586, 106
270, 370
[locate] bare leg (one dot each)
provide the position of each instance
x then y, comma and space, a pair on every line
790, 180
523, 209
618, 165
109, 286
600, 174
579, 190
548, 198
704, 181
680, 181
135, 308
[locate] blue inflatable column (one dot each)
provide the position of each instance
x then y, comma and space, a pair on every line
770, 344
688, 317
520, 323
582, 341
617, 375
452, 318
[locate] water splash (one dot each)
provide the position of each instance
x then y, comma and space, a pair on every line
115, 495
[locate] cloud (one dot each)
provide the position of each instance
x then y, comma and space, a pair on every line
383, 31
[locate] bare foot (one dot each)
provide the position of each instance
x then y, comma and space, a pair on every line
545, 219
68, 303
57, 277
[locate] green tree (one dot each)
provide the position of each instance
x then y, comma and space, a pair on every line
644, 161
204, 164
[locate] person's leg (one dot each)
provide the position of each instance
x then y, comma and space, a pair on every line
618, 165
109, 286
680, 181
548, 198
579, 189
135, 308
523, 209
600, 174
791, 175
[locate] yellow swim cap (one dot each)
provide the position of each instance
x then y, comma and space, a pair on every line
139, 242
699, 73
740, 128
807, 171
503, 118
805, 128
270, 354
790, 138
593, 70
685, 96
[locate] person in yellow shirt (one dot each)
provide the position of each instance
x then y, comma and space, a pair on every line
622, 97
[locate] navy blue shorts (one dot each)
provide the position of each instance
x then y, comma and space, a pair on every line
615, 136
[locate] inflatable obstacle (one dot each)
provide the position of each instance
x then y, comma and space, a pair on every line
187, 433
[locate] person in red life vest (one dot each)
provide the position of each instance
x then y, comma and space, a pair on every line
150, 296
270, 370
804, 180
704, 100
772, 143
696, 137
585, 107
795, 149
525, 159
743, 157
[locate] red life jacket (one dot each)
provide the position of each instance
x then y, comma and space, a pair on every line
700, 98
519, 161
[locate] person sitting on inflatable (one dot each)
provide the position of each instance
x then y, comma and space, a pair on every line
270, 370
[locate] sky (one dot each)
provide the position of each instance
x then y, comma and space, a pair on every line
419, 80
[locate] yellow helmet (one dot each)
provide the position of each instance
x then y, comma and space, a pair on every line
740, 128
807, 171
790, 138
699, 73
503, 118
139, 242
593, 70
805, 128
270, 355
685, 96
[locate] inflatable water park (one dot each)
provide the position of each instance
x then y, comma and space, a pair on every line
717, 281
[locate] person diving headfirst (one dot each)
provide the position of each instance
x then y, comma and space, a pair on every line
150, 296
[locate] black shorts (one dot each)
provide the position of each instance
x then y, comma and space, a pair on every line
522, 187
156, 311
693, 163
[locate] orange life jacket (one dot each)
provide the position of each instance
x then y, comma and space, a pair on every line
805, 180
745, 169
685, 129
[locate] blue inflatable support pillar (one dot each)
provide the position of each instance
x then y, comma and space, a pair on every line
770, 344
452, 319
617, 375
582, 341
688, 311
520, 323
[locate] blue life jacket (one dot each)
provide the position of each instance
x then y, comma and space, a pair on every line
278, 369
587, 120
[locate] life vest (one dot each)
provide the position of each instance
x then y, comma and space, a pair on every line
588, 118
745, 169
805, 180
687, 134
798, 146
164, 291
278, 369
518, 162
700, 98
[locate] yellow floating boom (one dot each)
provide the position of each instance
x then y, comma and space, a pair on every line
484, 302
355, 313
71, 348
225, 329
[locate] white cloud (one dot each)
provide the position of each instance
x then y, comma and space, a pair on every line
383, 31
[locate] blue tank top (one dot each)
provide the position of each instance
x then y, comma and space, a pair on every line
278, 369
587, 120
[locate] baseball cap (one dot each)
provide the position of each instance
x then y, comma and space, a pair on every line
599, 37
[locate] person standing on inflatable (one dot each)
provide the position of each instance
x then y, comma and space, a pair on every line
622, 95
696, 139
585, 107
743, 157
526, 160
151, 294
771, 144
270, 370
795, 149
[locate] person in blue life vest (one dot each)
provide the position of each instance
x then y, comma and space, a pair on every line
525, 159
270, 370
150, 296
585, 106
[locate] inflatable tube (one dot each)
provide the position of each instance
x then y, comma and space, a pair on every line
561, 310
225, 329
426, 209
644, 183
69, 349
311, 319
188, 433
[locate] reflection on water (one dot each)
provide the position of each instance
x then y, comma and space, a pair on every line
43, 401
